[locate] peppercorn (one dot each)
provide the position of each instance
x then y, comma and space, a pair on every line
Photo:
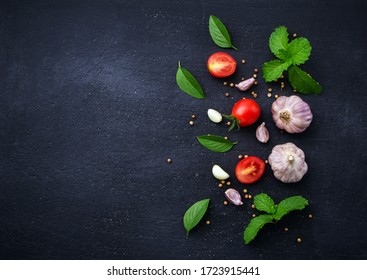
276, 96
169, 160
286, 229
208, 222
225, 83
228, 183
240, 156
223, 182
246, 196
243, 61
255, 95
231, 84
227, 94
310, 216
191, 123
249, 196
245, 190
255, 83
220, 185
269, 95
294, 35
242, 79
253, 206
228, 123
246, 156
225, 202
299, 240
193, 116
254, 76
253, 215
266, 161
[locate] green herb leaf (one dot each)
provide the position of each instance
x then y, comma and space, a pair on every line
215, 143
263, 202
219, 33
298, 51
301, 81
187, 83
194, 214
290, 204
254, 226
279, 41
272, 70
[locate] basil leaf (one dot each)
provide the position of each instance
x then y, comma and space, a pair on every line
194, 214
254, 226
215, 143
278, 41
187, 83
302, 82
265, 203
290, 204
219, 33
272, 70
298, 51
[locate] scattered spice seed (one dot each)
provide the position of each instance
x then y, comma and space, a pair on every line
245, 190
243, 61
169, 160
270, 89
242, 79
208, 222
228, 183
294, 35
231, 84
225, 137
252, 92
266, 161
249, 196
223, 182
276, 80
276, 96
269, 94
253, 206
294, 90
191, 123
228, 123
225, 202
299, 240
246, 156
256, 70
255, 83
246, 196
193, 116
220, 185
255, 95
254, 76
227, 94
310, 216
286, 229
282, 77
253, 215
225, 83
240, 156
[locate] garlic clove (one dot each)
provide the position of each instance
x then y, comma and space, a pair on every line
214, 116
262, 133
219, 173
245, 85
233, 196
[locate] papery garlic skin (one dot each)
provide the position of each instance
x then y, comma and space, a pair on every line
291, 114
288, 163
219, 173
245, 85
214, 116
233, 196
262, 133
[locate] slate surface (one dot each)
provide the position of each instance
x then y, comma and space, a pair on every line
90, 111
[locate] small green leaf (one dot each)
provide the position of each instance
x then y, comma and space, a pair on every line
187, 83
215, 143
265, 203
219, 33
298, 51
290, 204
279, 41
272, 70
254, 226
194, 214
302, 82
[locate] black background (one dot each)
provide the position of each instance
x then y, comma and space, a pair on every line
90, 111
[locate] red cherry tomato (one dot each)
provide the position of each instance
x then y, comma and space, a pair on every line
250, 170
221, 65
246, 111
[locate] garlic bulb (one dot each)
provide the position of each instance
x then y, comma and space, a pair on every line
219, 173
262, 133
214, 116
291, 114
288, 163
233, 196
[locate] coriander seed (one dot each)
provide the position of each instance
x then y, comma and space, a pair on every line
169, 160
286, 229
225, 83
299, 240
243, 61
225, 202
191, 123
256, 70
231, 84
208, 222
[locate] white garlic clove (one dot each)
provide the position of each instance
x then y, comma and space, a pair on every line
245, 85
262, 133
288, 163
219, 173
291, 114
233, 196
214, 116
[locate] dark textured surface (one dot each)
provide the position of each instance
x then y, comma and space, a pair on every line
90, 111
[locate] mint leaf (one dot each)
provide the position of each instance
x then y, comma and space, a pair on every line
194, 214
187, 83
272, 70
298, 51
254, 226
263, 202
302, 82
290, 204
219, 33
215, 143
278, 41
